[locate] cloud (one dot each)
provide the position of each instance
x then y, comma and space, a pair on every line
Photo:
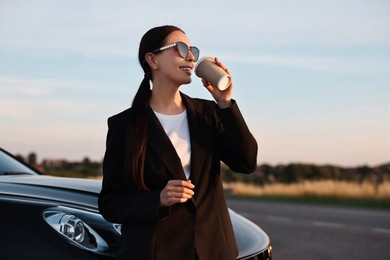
319, 63
32, 99
28, 86
99, 28
53, 117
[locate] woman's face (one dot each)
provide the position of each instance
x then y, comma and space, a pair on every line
171, 66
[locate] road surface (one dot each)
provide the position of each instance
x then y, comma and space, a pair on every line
304, 231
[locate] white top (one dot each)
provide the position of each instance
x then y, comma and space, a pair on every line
176, 127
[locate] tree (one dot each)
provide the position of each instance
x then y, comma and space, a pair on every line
32, 158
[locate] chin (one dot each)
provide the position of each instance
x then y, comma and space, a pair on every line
186, 81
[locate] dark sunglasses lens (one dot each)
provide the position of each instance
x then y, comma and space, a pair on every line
182, 48
195, 52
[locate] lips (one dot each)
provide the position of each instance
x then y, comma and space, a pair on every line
186, 68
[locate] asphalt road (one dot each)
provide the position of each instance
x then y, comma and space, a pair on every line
303, 231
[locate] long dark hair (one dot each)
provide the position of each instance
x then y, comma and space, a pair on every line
136, 140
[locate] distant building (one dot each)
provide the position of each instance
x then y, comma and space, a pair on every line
39, 167
53, 163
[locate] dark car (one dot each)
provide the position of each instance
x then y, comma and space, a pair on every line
46, 217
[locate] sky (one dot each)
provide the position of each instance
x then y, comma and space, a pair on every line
312, 78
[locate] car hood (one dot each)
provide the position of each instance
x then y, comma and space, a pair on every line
75, 184
74, 191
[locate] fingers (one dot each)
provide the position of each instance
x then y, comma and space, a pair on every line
176, 191
219, 63
205, 83
209, 87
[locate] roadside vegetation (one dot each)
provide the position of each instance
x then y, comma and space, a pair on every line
358, 186
365, 194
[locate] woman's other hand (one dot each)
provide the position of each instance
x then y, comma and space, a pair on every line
176, 191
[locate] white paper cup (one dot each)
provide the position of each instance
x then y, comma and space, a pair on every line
207, 69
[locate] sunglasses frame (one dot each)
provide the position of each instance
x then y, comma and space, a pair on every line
180, 50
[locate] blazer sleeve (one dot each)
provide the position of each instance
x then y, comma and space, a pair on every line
238, 147
117, 202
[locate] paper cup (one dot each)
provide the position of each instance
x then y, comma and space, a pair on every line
207, 69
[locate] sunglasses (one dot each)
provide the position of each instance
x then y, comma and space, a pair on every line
182, 48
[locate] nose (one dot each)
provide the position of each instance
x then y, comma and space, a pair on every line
190, 56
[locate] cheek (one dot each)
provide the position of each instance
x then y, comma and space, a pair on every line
169, 66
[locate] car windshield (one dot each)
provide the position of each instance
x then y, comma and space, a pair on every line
11, 166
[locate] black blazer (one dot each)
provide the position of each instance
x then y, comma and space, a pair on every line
200, 225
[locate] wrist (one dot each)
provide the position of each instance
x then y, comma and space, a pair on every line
224, 104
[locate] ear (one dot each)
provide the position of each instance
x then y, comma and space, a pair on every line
150, 58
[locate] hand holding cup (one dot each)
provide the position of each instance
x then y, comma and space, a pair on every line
216, 78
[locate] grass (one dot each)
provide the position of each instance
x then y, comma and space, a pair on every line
366, 194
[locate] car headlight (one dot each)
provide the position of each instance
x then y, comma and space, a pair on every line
75, 230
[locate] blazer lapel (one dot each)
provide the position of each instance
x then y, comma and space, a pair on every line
160, 143
198, 153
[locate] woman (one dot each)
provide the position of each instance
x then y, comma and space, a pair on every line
161, 167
